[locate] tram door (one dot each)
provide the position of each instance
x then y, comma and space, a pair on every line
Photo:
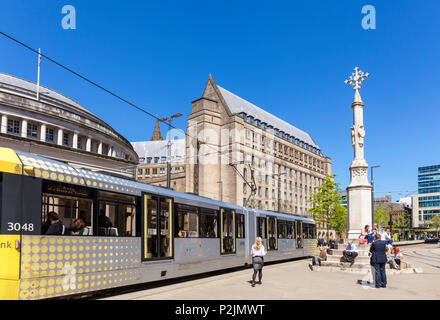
157, 227
299, 234
227, 225
272, 239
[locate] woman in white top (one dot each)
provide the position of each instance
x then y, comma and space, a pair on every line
257, 253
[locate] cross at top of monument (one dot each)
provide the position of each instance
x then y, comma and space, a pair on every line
356, 79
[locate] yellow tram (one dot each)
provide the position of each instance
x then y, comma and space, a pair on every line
133, 232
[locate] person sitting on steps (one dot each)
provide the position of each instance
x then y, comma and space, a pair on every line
350, 253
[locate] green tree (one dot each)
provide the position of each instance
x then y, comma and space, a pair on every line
435, 223
382, 216
338, 221
327, 204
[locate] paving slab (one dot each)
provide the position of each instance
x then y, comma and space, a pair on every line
295, 281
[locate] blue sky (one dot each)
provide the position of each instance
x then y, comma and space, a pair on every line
288, 57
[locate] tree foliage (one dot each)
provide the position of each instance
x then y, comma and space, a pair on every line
327, 206
382, 215
435, 222
338, 221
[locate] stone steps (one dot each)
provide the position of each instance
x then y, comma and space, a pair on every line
361, 253
365, 271
357, 264
337, 258
361, 264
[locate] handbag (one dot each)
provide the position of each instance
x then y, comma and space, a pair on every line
363, 241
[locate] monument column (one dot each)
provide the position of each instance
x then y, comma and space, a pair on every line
359, 189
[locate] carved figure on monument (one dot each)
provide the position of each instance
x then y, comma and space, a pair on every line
353, 137
361, 135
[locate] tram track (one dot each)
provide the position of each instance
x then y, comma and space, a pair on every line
431, 259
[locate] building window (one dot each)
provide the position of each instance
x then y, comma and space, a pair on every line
148, 160
162, 170
147, 171
139, 172
65, 139
244, 188
156, 159
154, 170
49, 134
79, 143
187, 222
13, 126
32, 130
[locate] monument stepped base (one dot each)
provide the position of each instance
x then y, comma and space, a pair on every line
361, 264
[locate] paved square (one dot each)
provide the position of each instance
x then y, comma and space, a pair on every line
294, 280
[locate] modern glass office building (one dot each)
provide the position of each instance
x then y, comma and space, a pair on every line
429, 179
426, 203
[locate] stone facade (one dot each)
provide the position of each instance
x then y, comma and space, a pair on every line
58, 127
422, 213
152, 167
236, 152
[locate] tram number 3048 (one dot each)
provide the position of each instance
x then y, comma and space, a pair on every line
20, 227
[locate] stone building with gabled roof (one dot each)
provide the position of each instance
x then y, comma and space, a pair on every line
239, 153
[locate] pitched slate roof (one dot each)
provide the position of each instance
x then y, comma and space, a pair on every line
158, 148
239, 105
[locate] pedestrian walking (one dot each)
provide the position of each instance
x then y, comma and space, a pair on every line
378, 259
257, 253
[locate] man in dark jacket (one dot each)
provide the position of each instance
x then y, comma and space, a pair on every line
56, 226
378, 259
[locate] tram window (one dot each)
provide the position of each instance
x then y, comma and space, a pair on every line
187, 222
307, 231
117, 215
290, 230
282, 229
208, 223
261, 227
240, 225
68, 210
312, 231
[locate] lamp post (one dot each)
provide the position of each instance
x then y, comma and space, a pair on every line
169, 146
372, 194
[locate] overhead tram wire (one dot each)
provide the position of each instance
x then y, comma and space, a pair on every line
102, 88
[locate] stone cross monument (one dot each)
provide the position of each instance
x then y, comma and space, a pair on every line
359, 189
